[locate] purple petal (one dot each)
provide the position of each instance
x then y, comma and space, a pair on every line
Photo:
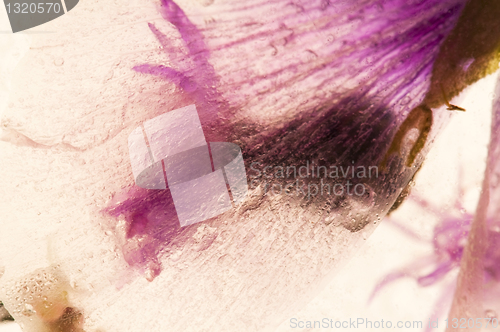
309, 83
330, 83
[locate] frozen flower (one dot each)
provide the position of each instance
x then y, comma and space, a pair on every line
331, 83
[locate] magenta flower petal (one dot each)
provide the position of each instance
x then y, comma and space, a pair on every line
449, 240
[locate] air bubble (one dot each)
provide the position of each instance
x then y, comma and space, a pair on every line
59, 62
